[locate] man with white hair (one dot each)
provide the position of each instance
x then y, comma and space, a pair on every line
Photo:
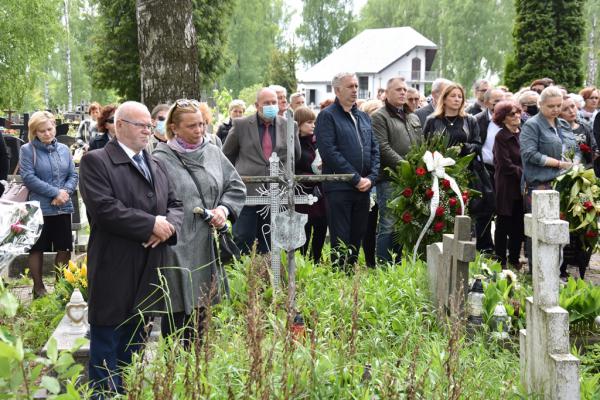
281, 99
134, 215
297, 100
347, 145
437, 87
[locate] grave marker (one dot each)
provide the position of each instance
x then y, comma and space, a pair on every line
547, 366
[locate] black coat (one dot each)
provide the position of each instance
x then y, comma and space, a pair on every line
424, 112
483, 121
474, 109
122, 206
508, 171
99, 141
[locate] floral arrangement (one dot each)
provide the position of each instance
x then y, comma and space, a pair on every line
580, 204
20, 227
414, 191
73, 276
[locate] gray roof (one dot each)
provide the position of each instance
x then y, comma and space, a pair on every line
369, 52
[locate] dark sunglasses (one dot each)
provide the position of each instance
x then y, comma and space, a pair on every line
110, 121
161, 118
513, 113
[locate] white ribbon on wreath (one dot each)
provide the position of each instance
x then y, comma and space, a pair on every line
436, 164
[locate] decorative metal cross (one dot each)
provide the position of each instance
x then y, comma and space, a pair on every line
287, 226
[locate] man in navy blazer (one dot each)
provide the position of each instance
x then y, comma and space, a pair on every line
249, 148
347, 146
133, 216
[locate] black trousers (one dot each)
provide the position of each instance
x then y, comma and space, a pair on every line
483, 223
316, 231
347, 218
510, 234
188, 326
369, 243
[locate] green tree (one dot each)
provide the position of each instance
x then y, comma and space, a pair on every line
326, 25
114, 59
591, 52
282, 68
28, 33
253, 33
473, 37
547, 43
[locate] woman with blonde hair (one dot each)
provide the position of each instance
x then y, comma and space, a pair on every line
236, 109
48, 171
202, 177
451, 120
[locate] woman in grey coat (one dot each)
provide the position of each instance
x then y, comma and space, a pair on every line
193, 277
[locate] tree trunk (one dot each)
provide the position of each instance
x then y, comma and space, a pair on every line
168, 51
69, 74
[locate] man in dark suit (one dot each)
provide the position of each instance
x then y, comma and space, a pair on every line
133, 216
437, 87
479, 88
249, 146
487, 130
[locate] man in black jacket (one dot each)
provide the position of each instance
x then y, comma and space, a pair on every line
487, 131
347, 146
479, 89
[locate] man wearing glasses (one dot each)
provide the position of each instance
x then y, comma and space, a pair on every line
479, 88
133, 215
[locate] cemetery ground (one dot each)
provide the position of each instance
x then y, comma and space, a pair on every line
368, 335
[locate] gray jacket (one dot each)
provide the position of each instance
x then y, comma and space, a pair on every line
190, 267
540, 141
395, 137
243, 148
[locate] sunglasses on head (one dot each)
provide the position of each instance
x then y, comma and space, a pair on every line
187, 103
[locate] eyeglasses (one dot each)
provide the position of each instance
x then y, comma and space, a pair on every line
110, 121
138, 124
513, 113
187, 103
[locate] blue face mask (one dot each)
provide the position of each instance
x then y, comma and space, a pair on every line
160, 127
270, 111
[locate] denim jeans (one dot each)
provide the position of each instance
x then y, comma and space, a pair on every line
385, 229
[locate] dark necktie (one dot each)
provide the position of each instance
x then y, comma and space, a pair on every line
267, 143
142, 166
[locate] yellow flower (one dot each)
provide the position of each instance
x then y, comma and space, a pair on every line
83, 270
72, 266
84, 283
69, 276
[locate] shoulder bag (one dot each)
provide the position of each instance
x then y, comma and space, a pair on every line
17, 191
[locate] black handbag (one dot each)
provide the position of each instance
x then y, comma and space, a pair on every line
481, 181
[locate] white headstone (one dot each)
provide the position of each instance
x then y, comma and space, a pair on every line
547, 366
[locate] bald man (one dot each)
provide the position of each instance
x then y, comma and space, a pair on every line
248, 146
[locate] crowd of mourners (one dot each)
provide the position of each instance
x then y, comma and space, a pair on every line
145, 175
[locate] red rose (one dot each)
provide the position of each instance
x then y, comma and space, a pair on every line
420, 171
16, 228
459, 211
563, 216
438, 226
407, 192
588, 205
465, 194
406, 217
465, 198
439, 211
428, 193
591, 234
446, 184
452, 202
585, 148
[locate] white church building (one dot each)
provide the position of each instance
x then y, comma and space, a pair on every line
375, 55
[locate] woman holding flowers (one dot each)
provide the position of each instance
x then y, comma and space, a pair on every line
548, 147
451, 120
508, 170
48, 171
582, 132
202, 177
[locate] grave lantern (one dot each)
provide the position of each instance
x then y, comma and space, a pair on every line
500, 322
76, 311
475, 302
